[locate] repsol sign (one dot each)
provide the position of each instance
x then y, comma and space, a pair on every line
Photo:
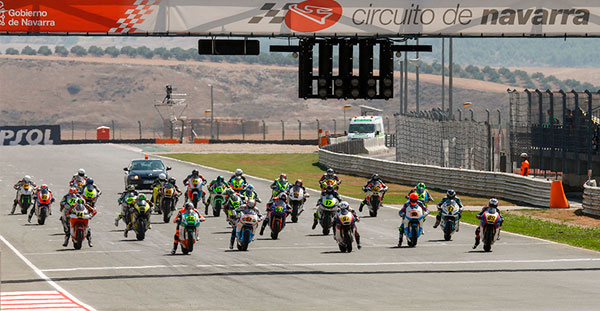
30, 135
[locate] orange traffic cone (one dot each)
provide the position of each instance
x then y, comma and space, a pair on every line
557, 195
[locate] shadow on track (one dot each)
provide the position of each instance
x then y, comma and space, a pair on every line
288, 273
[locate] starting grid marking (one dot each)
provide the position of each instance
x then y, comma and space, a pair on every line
38, 300
338, 264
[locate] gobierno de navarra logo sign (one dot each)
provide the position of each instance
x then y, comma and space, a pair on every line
313, 15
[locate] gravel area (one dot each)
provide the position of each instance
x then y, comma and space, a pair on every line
227, 148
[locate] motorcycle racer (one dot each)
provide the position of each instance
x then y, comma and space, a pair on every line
413, 201
125, 202
188, 207
26, 180
329, 190
450, 195
249, 206
329, 175
92, 211
37, 202
374, 181
280, 200
492, 204
345, 205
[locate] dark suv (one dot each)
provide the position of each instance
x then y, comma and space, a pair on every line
142, 173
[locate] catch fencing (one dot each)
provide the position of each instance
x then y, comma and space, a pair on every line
559, 130
513, 187
426, 139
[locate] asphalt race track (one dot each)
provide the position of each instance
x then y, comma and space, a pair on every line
302, 270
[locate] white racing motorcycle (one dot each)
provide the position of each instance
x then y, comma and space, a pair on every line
296, 198
450, 218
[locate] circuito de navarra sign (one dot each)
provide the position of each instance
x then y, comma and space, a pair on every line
320, 17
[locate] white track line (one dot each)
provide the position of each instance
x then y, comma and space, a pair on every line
43, 276
339, 264
84, 252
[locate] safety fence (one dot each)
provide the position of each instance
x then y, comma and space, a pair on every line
516, 188
591, 199
448, 143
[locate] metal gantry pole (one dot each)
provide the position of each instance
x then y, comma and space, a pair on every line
450, 72
212, 112
406, 79
417, 80
443, 74
401, 94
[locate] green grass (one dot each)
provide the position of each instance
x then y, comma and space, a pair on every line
573, 235
306, 167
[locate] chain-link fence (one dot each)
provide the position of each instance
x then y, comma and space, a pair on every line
560, 131
448, 143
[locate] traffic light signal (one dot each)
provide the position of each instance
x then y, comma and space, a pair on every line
325, 69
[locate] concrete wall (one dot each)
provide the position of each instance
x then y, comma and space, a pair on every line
591, 199
512, 187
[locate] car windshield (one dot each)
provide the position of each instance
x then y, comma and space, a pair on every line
147, 165
362, 128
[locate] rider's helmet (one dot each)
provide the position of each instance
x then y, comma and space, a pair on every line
44, 187
298, 182
282, 177
230, 192
493, 202
27, 179
172, 180
188, 206
239, 172
141, 197
421, 187
220, 179
162, 177
375, 177
251, 203
451, 194
329, 189
344, 205
330, 172
73, 190
413, 198
195, 172
81, 200
81, 172
89, 181
523, 155
283, 196
130, 188
250, 188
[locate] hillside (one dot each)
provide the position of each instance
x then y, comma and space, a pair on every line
96, 90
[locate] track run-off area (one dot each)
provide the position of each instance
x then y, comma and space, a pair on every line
302, 270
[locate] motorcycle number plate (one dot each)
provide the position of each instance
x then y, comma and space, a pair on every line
345, 218
248, 219
450, 209
491, 218
190, 219
414, 214
296, 194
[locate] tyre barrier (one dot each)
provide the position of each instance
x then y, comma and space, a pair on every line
511, 187
591, 199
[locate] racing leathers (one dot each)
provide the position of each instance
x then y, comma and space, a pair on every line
327, 177
67, 201
188, 179
357, 219
402, 213
36, 202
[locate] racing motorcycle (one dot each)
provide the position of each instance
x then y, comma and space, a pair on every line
168, 197
245, 228
79, 183
344, 233
490, 226
373, 199
450, 218
42, 206
217, 199
189, 235
413, 223
25, 198
279, 188
327, 208
140, 219
194, 190
91, 195
296, 199
79, 221
277, 216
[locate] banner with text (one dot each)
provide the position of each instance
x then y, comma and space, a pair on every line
323, 17
30, 135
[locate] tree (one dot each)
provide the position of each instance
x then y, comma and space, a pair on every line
145, 52
78, 50
28, 51
180, 54
163, 53
61, 50
112, 51
11, 51
44, 50
129, 51
96, 51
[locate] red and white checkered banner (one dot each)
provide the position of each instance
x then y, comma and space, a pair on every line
286, 18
